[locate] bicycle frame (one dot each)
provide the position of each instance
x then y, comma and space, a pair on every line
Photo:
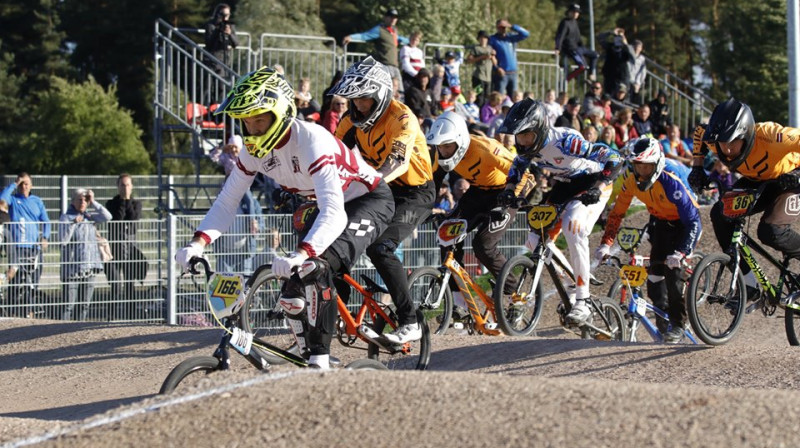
465, 283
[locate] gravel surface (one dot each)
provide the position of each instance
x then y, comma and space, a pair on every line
94, 384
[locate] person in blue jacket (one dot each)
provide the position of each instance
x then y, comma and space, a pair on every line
504, 42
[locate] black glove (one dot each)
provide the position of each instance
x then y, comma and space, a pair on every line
591, 196
698, 179
506, 199
498, 217
790, 180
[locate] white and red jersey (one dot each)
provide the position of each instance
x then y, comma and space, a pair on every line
309, 161
411, 60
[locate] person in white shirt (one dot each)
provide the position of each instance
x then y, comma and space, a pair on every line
354, 203
412, 59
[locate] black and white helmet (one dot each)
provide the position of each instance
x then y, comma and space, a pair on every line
645, 150
449, 128
731, 120
366, 79
527, 116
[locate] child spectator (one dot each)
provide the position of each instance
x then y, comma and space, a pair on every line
452, 64
589, 132
471, 106
446, 104
492, 107
497, 120
608, 136
553, 108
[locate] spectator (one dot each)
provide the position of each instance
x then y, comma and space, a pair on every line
127, 265
517, 96
220, 39
620, 99
444, 201
437, 83
595, 118
608, 136
562, 98
446, 104
331, 118
492, 107
589, 133
659, 113
80, 253
386, 39
605, 103
568, 42
638, 72
570, 118
459, 188
224, 156
471, 107
674, 147
504, 43
618, 56
306, 104
237, 247
623, 126
327, 99
28, 245
483, 56
4, 220
411, 59
273, 243
418, 97
497, 120
452, 64
641, 121
553, 108
594, 97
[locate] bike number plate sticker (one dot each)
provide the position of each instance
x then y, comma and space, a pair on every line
633, 276
641, 306
737, 203
452, 231
541, 216
226, 294
628, 237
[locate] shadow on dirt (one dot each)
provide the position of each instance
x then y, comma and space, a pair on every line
76, 412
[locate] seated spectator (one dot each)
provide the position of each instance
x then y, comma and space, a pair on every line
595, 117
497, 120
641, 121
446, 104
327, 99
306, 104
492, 107
418, 97
460, 187
330, 119
81, 259
659, 113
517, 96
619, 100
594, 97
471, 106
436, 83
571, 116
444, 201
605, 103
608, 136
589, 132
675, 148
553, 107
623, 126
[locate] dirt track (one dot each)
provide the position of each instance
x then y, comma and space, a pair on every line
549, 389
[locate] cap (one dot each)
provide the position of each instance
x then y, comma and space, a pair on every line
446, 91
574, 101
622, 88
574, 7
507, 102
456, 90
483, 33
450, 55
605, 96
392, 12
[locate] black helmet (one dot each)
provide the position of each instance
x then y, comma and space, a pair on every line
731, 120
527, 115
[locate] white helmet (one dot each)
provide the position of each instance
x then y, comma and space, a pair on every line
449, 128
645, 150
366, 79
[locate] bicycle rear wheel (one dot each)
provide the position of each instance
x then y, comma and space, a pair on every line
607, 316
425, 285
792, 322
262, 316
714, 310
519, 311
365, 364
190, 372
411, 356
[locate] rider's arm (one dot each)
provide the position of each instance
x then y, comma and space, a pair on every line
519, 179
332, 218
402, 137
598, 152
621, 205
221, 215
689, 213
699, 149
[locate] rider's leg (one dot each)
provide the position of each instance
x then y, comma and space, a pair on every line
775, 229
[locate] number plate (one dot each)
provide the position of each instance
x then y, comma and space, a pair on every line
452, 231
541, 216
641, 306
737, 203
226, 294
633, 276
628, 237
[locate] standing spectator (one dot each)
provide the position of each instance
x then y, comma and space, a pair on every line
411, 59
28, 245
641, 121
659, 113
126, 267
4, 220
220, 39
570, 118
483, 56
674, 147
623, 126
331, 118
452, 64
386, 39
504, 42
638, 72
553, 108
568, 42
80, 253
237, 247
618, 55
418, 97
594, 97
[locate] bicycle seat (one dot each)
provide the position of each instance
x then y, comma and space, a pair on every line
371, 286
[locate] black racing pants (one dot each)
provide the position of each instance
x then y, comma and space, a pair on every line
412, 205
665, 285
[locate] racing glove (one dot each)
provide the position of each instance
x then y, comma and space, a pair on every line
602, 252
698, 179
506, 199
790, 180
591, 196
186, 253
675, 261
282, 266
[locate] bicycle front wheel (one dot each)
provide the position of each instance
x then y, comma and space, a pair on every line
365, 364
262, 316
517, 300
792, 322
190, 372
714, 309
425, 286
608, 317
410, 356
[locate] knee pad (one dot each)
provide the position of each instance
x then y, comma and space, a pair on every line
320, 296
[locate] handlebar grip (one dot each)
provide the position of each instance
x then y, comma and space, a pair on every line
194, 261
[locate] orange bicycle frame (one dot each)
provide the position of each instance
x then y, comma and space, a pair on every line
465, 283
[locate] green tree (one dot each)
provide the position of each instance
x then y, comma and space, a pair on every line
80, 129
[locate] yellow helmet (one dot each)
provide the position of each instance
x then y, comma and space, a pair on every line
258, 92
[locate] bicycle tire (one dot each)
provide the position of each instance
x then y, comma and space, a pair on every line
714, 317
516, 314
615, 294
419, 354
366, 364
423, 285
614, 322
258, 315
792, 321
194, 365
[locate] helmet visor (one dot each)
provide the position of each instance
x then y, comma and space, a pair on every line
643, 171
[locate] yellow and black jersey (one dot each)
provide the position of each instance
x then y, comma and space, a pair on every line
397, 132
485, 164
776, 150
668, 199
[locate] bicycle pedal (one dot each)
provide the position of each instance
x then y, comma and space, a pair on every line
491, 326
458, 325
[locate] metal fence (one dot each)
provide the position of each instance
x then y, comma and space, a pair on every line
149, 288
